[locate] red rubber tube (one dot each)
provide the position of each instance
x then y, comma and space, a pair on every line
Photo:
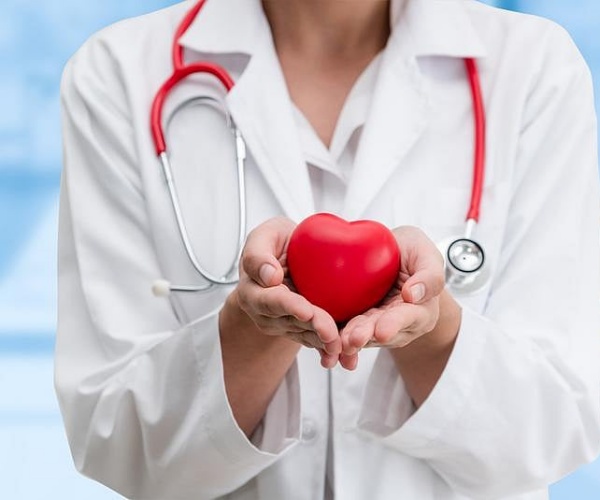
178, 75
181, 29
480, 140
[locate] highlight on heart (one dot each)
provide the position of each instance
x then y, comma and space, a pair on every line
343, 267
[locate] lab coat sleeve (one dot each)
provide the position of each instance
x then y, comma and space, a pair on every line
517, 406
142, 396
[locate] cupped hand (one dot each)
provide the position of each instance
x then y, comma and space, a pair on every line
267, 296
411, 308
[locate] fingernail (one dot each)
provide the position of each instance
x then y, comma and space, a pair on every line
417, 292
266, 273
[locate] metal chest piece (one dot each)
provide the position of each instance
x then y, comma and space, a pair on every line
465, 265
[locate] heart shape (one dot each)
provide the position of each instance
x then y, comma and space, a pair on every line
343, 267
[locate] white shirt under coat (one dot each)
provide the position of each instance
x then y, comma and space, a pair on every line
140, 379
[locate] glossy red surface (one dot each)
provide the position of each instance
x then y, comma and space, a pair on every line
343, 267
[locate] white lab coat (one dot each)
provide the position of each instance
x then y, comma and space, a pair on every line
139, 379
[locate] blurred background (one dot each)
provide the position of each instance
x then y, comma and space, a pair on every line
36, 39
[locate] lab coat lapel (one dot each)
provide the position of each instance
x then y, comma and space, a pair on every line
399, 114
261, 107
259, 102
401, 107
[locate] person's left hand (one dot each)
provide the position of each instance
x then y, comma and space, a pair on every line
411, 308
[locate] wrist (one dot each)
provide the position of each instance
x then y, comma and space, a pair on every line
439, 341
422, 362
254, 364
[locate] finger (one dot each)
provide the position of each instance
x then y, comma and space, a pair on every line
349, 361
328, 361
423, 263
265, 245
397, 324
326, 329
288, 324
293, 324
307, 339
357, 333
275, 302
423, 286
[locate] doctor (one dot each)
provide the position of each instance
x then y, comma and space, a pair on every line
360, 108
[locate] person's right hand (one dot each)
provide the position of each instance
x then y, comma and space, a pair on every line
266, 294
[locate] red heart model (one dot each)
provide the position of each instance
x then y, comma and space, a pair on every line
343, 267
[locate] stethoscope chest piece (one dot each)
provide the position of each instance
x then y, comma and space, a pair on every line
465, 265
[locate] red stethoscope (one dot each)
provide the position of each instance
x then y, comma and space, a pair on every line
464, 256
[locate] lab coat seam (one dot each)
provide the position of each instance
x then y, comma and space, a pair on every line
77, 79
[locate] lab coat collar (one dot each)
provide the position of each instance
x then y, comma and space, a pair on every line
226, 26
260, 105
437, 27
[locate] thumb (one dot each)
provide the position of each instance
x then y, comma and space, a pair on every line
422, 287
265, 245
423, 263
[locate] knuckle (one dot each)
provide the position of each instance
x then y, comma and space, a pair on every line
263, 304
299, 338
243, 299
439, 282
266, 324
266, 304
306, 343
403, 341
292, 323
385, 337
279, 220
440, 259
245, 259
431, 323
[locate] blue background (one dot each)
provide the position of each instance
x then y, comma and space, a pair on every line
36, 39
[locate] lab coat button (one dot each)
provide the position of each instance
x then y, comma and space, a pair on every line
309, 430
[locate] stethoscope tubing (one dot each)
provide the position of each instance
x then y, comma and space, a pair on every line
479, 140
179, 74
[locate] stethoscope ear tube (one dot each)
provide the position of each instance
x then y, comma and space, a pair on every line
164, 288
180, 72
230, 276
